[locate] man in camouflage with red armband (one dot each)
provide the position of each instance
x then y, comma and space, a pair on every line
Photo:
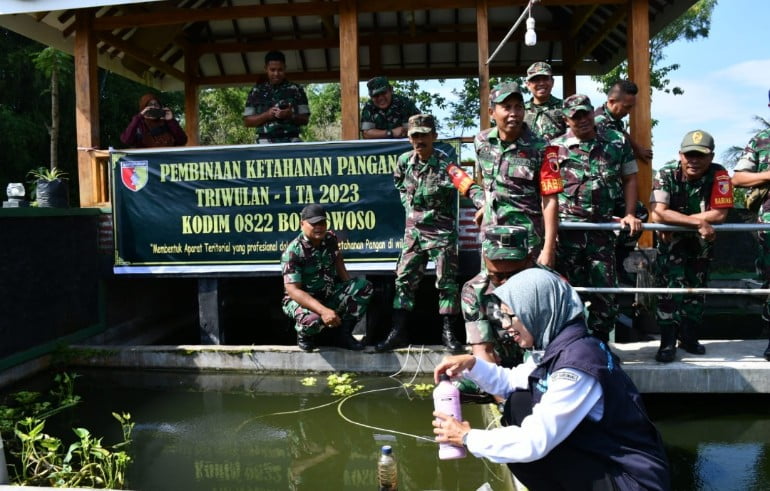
598, 169
430, 203
753, 170
319, 292
693, 192
517, 188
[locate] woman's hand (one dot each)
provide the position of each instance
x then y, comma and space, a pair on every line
449, 430
453, 366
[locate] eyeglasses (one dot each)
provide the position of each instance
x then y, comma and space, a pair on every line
499, 277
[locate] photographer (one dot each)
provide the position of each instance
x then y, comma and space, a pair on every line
153, 126
276, 107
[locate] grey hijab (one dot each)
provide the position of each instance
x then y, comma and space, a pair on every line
542, 301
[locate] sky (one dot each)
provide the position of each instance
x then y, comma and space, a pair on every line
725, 78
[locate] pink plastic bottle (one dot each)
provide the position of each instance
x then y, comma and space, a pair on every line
446, 399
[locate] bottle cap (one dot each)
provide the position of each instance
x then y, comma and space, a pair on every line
443, 377
386, 450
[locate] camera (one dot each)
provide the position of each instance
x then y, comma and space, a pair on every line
155, 113
283, 105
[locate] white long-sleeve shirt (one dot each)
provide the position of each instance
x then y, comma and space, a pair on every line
572, 395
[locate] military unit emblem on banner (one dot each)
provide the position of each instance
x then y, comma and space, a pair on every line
134, 174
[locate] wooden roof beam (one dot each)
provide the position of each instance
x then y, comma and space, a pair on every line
140, 55
609, 25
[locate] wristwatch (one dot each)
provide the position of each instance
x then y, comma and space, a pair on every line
465, 439
389, 133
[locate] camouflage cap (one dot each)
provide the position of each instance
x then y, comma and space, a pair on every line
377, 85
697, 141
503, 91
539, 68
505, 242
421, 123
575, 103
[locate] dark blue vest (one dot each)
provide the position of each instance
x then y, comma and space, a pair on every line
624, 436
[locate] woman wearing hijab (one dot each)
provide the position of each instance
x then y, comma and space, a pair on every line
153, 126
574, 418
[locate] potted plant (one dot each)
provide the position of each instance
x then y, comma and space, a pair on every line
50, 187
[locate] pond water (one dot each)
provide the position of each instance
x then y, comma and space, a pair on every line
228, 432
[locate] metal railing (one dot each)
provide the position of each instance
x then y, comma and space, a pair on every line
725, 227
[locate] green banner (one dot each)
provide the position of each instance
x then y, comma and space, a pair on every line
234, 209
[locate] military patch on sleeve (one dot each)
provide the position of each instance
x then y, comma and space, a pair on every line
564, 375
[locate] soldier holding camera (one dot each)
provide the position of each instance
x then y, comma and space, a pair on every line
277, 107
153, 126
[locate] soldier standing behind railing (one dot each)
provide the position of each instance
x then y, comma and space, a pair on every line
694, 192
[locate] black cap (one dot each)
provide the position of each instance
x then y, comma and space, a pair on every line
313, 213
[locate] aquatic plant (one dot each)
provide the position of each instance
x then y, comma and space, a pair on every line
42, 460
343, 385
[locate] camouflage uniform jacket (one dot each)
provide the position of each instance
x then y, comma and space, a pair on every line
264, 96
756, 158
395, 115
429, 199
545, 120
604, 119
313, 267
592, 172
510, 177
688, 197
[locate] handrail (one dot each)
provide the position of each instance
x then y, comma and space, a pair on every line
724, 227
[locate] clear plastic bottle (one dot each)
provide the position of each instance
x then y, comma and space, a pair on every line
387, 473
446, 399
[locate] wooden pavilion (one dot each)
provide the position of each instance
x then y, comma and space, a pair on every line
193, 44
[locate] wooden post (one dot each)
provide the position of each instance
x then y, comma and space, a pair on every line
349, 69
86, 105
482, 39
191, 96
639, 72
569, 72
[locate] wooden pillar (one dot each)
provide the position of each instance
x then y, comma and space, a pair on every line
349, 69
191, 96
482, 39
86, 105
569, 71
640, 117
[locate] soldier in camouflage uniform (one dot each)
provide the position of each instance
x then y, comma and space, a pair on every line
597, 169
753, 170
430, 202
505, 252
696, 193
516, 187
277, 107
319, 292
385, 115
621, 99
543, 111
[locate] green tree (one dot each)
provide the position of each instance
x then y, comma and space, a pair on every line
53, 64
221, 116
731, 155
692, 25
325, 101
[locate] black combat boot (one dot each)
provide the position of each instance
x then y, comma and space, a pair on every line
305, 342
397, 335
688, 338
345, 338
667, 351
448, 335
